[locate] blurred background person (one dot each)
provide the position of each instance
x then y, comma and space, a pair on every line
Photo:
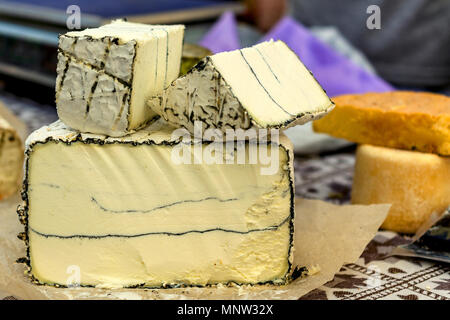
411, 49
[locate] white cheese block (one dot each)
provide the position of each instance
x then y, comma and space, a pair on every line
11, 159
122, 212
106, 75
265, 86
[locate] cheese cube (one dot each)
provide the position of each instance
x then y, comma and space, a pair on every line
265, 86
416, 184
123, 212
106, 74
400, 119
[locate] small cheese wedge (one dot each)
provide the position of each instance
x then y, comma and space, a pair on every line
416, 184
399, 119
265, 86
122, 212
11, 159
106, 74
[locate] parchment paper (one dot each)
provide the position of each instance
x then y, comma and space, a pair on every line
327, 236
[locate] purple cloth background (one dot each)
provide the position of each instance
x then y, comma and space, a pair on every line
223, 36
336, 73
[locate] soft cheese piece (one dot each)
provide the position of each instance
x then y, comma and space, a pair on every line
11, 159
416, 184
265, 86
122, 212
399, 119
106, 74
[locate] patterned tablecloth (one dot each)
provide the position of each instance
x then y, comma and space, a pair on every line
375, 275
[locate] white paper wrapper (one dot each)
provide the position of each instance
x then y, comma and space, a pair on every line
326, 237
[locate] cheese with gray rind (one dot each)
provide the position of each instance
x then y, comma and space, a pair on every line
105, 75
264, 86
121, 213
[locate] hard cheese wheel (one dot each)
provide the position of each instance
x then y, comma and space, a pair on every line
416, 184
11, 159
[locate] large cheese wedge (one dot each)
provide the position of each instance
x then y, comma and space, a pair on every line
11, 159
128, 212
265, 86
400, 119
106, 74
416, 184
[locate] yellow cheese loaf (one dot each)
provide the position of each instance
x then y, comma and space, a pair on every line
11, 159
399, 119
415, 183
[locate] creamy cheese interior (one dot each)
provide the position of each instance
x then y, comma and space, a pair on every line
139, 59
128, 215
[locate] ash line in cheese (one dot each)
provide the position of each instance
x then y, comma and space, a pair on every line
160, 207
267, 64
83, 236
259, 81
51, 185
